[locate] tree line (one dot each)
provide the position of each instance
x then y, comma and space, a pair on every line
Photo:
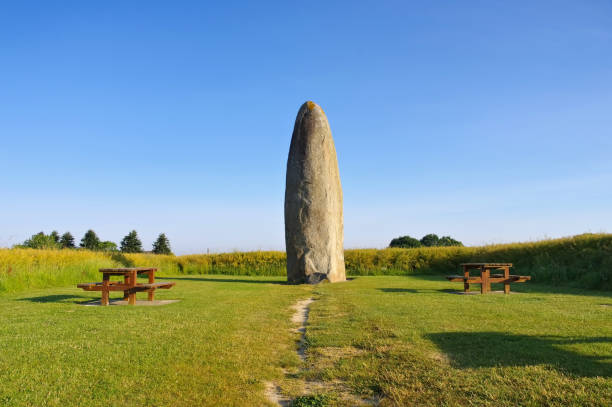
90, 241
430, 240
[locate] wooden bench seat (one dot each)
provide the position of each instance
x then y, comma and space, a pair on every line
92, 286
120, 286
165, 285
112, 286
461, 279
495, 278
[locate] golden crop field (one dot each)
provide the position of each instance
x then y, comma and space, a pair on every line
582, 261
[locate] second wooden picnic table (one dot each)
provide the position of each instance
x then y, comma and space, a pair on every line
486, 278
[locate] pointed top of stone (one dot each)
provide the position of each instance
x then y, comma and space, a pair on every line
310, 107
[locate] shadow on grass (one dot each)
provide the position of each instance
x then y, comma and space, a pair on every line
124, 261
418, 291
76, 299
236, 280
226, 280
494, 349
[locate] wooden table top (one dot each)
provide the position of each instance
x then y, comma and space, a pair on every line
487, 264
127, 270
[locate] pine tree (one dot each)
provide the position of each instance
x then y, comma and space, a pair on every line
67, 241
55, 236
90, 241
162, 245
131, 243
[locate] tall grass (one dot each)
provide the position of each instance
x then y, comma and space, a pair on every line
21, 269
581, 261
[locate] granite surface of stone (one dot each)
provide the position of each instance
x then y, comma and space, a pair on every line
314, 230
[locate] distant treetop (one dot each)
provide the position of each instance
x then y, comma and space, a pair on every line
55, 235
90, 241
162, 245
430, 240
405, 242
41, 241
131, 243
67, 241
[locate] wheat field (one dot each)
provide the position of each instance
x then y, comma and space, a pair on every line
583, 261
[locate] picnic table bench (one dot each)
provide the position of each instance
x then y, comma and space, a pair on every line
129, 285
486, 278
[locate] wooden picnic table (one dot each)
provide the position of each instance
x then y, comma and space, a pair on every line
129, 285
486, 278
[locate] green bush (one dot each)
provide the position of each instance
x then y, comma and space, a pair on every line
315, 400
42, 241
405, 242
430, 240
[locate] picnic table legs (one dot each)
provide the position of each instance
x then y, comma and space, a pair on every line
506, 277
466, 275
105, 285
126, 293
151, 292
132, 293
127, 280
485, 285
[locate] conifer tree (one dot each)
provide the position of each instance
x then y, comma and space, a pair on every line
131, 243
55, 236
67, 241
162, 245
90, 241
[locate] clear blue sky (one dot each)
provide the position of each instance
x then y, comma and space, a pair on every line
490, 121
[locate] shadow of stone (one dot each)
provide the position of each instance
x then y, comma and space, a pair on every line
225, 280
76, 299
493, 349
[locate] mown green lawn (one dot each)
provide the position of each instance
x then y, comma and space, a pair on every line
215, 347
416, 343
398, 340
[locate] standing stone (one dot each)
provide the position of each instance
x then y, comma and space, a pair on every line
314, 233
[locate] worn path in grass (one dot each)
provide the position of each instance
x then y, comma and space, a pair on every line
396, 340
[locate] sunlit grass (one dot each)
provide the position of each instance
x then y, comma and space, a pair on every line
411, 341
399, 340
215, 347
